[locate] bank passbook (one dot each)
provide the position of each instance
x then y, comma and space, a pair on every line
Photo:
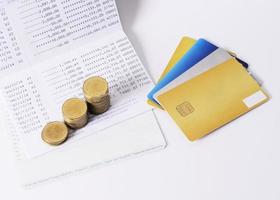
208, 93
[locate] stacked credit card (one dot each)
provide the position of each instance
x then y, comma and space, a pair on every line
205, 87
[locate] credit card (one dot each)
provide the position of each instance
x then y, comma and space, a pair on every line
217, 57
212, 99
200, 50
184, 46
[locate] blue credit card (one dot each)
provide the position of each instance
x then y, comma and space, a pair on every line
200, 50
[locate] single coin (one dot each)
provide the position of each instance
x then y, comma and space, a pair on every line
95, 88
74, 109
55, 133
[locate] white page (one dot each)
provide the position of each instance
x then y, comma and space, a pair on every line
36, 95
10, 51
36, 31
49, 74
134, 137
217, 57
51, 27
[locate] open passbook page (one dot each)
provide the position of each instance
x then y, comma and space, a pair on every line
48, 48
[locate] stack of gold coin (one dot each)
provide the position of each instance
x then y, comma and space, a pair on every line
55, 133
74, 111
96, 92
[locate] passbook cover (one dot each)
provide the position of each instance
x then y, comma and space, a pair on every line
212, 99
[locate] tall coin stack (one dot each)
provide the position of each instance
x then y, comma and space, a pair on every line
74, 112
96, 92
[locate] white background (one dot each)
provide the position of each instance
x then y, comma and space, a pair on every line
239, 161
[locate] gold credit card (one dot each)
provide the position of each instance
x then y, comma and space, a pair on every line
184, 46
212, 99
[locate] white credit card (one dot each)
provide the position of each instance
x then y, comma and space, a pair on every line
217, 57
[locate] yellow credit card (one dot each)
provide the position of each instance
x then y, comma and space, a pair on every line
184, 46
213, 99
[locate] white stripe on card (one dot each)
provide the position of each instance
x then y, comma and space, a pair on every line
255, 99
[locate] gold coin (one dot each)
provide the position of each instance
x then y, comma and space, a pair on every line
76, 124
81, 119
101, 104
99, 100
74, 109
95, 88
75, 113
55, 133
99, 110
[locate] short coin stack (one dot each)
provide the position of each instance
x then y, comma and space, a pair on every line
75, 111
96, 93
